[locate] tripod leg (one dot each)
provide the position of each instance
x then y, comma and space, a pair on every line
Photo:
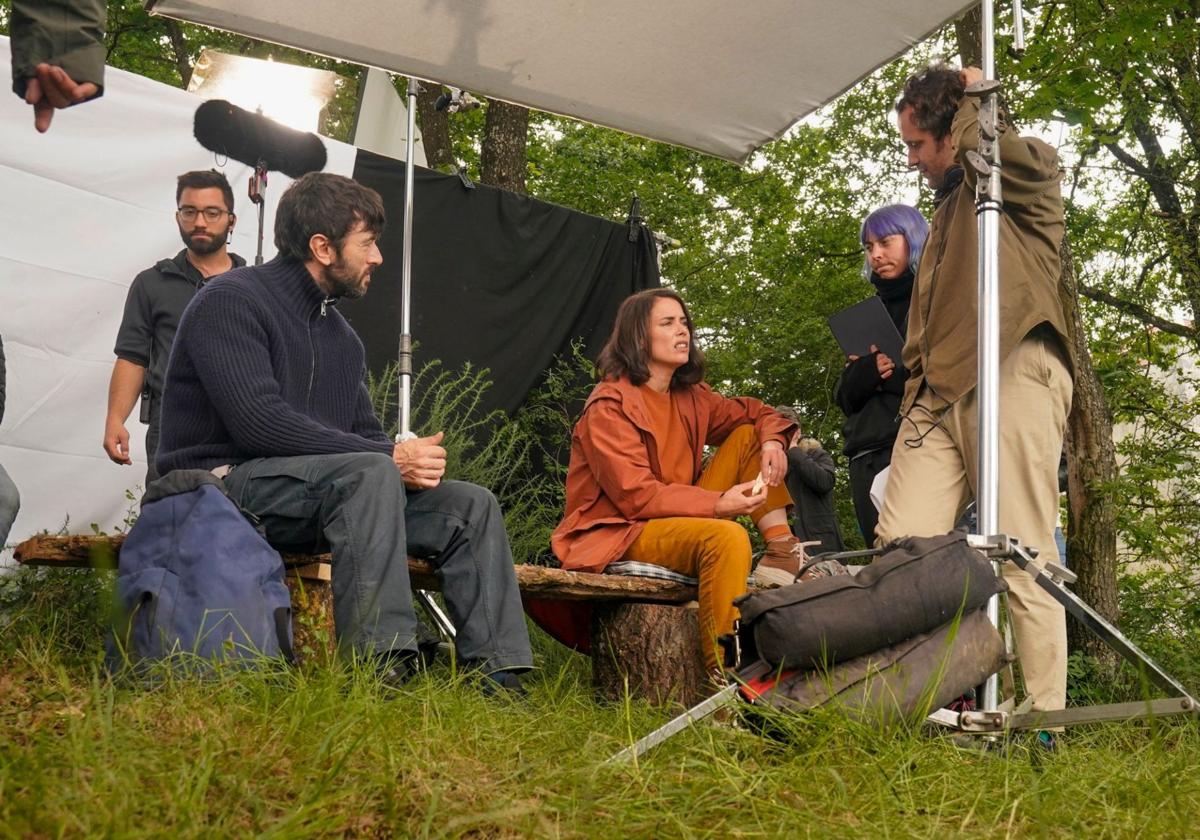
697, 713
442, 621
1096, 623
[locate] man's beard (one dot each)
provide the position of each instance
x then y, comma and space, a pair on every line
215, 242
342, 283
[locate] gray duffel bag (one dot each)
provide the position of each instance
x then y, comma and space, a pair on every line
918, 585
916, 675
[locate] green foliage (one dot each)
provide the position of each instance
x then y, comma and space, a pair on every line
65, 609
319, 751
522, 460
1161, 609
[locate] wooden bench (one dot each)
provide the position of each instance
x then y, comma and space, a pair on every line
644, 631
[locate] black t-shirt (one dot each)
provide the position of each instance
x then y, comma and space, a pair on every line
153, 307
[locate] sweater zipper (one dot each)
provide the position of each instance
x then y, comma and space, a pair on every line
312, 353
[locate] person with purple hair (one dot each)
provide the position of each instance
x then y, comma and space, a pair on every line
871, 387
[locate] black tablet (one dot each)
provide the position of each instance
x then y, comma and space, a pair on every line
859, 326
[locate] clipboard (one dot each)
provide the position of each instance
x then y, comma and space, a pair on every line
859, 326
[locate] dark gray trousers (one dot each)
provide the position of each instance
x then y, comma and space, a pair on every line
356, 505
863, 470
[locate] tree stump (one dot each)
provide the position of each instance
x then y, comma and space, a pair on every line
652, 648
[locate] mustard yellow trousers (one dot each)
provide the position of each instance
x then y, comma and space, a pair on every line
717, 551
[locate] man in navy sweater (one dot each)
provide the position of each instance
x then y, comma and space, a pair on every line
265, 387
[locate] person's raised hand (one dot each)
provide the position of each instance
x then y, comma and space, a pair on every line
53, 88
774, 463
116, 441
970, 75
421, 461
737, 500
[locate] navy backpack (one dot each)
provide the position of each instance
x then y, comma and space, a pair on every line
196, 583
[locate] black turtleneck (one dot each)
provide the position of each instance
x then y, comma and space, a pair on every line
263, 366
896, 295
870, 402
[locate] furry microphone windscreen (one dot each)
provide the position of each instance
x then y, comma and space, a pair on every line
234, 132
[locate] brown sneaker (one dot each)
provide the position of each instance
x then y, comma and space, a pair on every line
780, 563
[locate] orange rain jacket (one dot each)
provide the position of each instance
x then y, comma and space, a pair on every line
614, 482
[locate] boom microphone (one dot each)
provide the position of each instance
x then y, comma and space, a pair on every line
251, 138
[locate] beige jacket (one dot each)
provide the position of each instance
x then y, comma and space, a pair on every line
942, 340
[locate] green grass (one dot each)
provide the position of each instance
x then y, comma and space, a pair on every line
318, 752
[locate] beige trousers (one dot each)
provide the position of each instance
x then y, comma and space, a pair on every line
933, 479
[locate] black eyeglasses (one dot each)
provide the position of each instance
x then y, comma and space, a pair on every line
211, 214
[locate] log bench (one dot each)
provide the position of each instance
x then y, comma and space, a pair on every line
644, 631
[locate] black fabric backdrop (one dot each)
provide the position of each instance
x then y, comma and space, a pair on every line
500, 280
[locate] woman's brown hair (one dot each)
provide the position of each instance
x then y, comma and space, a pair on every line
627, 351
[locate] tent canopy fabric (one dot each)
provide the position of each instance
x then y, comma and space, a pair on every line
719, 77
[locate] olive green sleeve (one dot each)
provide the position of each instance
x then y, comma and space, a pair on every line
68, 33
1029, 168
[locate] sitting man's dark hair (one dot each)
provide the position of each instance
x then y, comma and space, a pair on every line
934, 95
203, 179
321, 202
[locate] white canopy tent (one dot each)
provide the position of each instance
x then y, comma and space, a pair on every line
716, 76
695, 73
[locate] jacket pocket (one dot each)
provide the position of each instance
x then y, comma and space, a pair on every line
145, 628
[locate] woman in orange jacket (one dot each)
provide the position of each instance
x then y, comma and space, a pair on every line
635, 487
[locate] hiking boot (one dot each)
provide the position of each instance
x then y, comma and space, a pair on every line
504, 684
397, 668
780, 563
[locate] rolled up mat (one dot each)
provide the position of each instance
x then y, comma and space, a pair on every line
915, 676
918, 585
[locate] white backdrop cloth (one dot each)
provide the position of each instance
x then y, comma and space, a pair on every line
83, 209
712, 75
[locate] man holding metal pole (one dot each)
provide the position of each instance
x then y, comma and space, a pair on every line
935, 467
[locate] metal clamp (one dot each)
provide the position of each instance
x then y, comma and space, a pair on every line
983, 721
982, 88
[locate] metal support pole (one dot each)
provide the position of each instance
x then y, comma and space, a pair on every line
404, 356
1018, 44
987, 208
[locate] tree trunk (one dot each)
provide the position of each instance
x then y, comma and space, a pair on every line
654, 649
179, 52
967, 30
435, 128
1091, 469
503, 156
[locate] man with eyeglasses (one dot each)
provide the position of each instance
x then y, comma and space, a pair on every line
156, 300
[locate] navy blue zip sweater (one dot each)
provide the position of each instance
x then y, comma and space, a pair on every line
264, 366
